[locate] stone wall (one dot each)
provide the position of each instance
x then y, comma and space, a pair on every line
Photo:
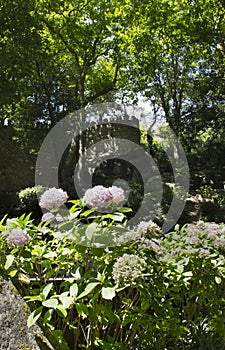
18, 158
17, 163
14, 333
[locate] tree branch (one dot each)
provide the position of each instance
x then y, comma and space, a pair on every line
64, 41
107, 89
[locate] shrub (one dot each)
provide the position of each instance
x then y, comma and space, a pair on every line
29, 201
93, 283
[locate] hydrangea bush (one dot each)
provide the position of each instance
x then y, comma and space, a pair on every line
147, 290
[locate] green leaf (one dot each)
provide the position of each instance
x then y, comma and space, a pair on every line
73, 290
82, 310
125, 210
48, 316
38, 251
188, 274
34, 316
88, 289
62, 309
9, 260
108, 293
50, 303
33, 297
218, 280
47, 289
90, 230
87, 212
116, 217
13, 273
66, 301
24, 278
74, 215
50, 255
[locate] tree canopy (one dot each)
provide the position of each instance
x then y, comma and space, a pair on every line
58, 56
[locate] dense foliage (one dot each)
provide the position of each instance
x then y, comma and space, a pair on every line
149, 291
90, 281
59, 56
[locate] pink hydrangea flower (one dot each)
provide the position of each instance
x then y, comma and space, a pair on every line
117, 194
203, 253
18, 237
153, 244
102, 197
53, 198
220, 242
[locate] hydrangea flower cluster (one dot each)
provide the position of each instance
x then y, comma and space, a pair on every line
117, 194
153, 244
148, 229
141, 232
200, 238
47, 217
17, 237
50, 217
100, 197
53, 198
128, 268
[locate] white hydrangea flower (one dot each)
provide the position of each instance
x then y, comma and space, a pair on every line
130, 236
53, 198
128, 268
47, 217
59, 218
148, 229
18, 237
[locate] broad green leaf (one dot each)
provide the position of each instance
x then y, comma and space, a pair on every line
82, 310
9, 260
108, 293
47, 289
77, 274
38, 251
73, 290
188, 274
66, 301
87, 212
50, 255
34, 316
90, 230
74, 215
13, 273
88, 289
62, 309
116, 217
50, 303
